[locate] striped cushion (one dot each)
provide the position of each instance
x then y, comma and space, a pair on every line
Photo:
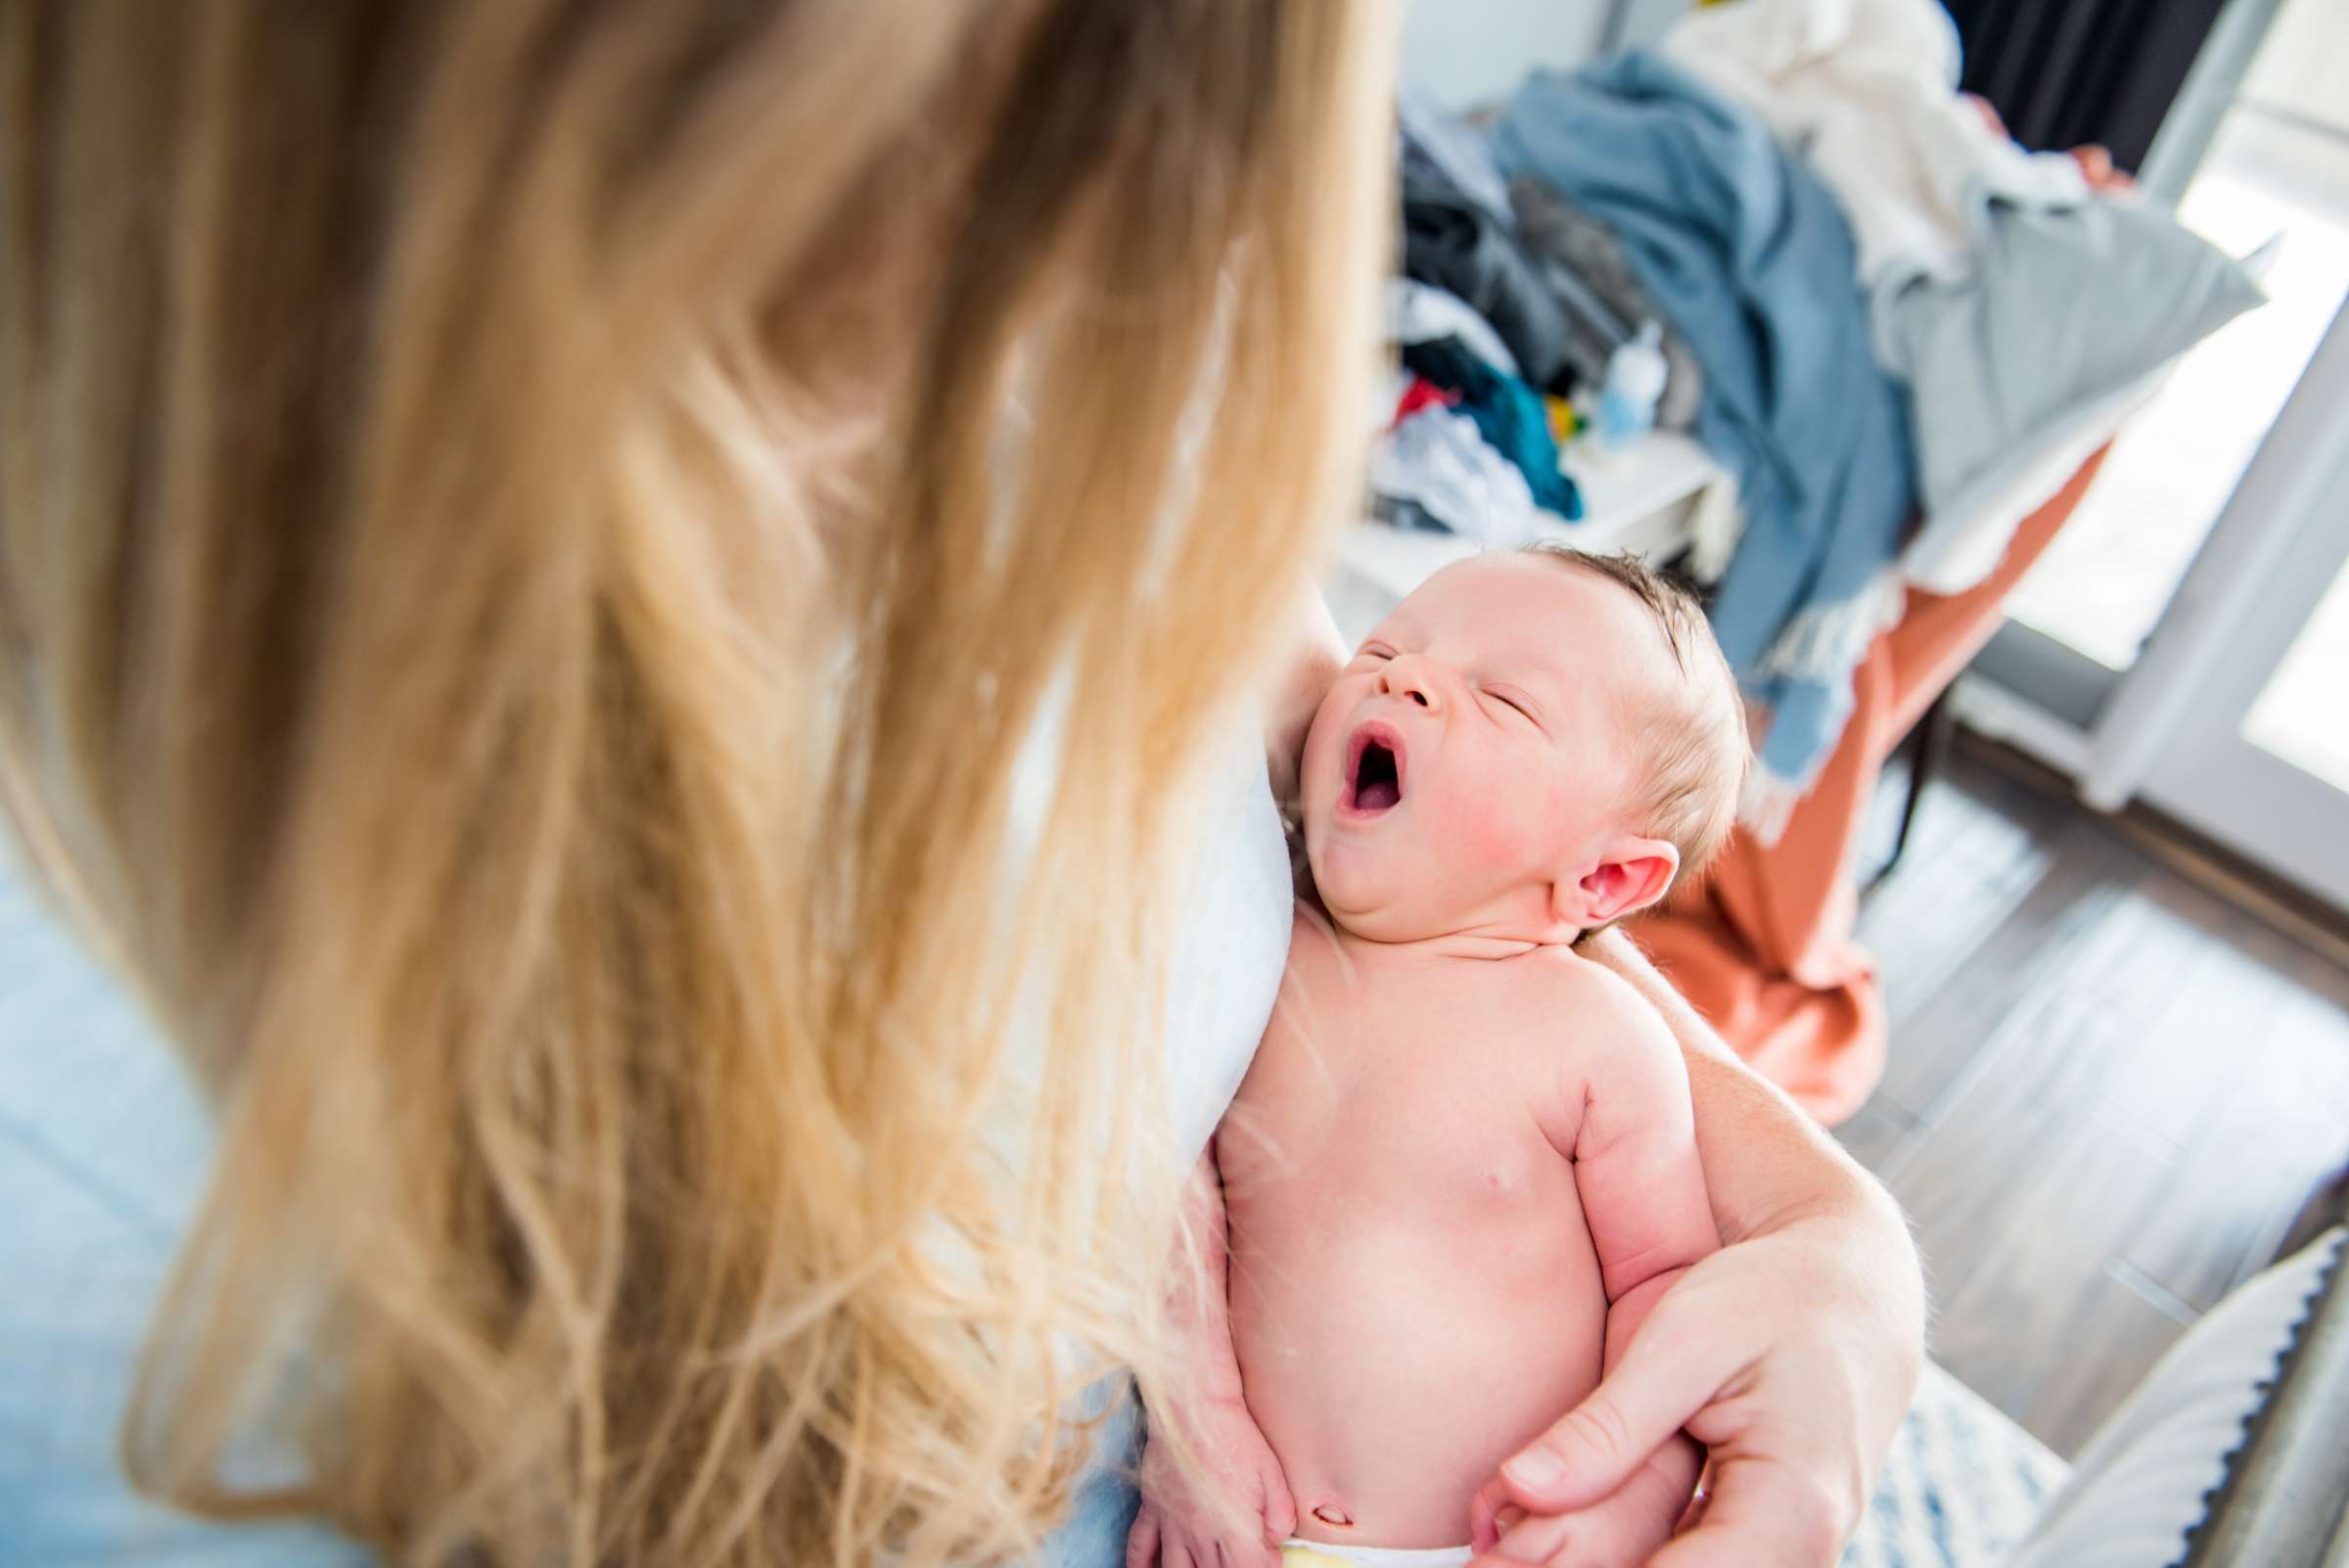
1961, 1486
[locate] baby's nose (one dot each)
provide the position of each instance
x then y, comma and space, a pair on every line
1411, 678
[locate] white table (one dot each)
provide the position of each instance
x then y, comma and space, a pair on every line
1644, 501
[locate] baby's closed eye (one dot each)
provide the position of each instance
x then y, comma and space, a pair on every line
1516, 701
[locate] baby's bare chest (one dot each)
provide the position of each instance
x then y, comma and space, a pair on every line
1405, 1091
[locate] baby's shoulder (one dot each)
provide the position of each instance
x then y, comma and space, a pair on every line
1566, 975
1587, 1005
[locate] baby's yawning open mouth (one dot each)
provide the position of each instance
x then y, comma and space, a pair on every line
1376, 777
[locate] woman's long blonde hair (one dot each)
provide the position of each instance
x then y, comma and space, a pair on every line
535, 537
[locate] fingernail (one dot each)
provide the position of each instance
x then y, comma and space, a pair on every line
1537, 1467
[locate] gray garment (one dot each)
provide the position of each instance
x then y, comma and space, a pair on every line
1451, 241
1438, 142
1583, 254
2059, 311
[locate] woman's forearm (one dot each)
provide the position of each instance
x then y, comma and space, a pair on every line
1766, 1163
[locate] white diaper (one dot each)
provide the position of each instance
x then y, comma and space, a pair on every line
1295, 1553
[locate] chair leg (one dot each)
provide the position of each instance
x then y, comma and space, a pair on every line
1929, 749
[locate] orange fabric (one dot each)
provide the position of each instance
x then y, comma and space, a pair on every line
1764, 946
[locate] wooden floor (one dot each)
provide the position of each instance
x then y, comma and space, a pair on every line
2109, 1092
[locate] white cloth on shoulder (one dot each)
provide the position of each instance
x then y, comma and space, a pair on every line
1234, 942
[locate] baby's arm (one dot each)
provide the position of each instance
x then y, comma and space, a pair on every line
1643, 1197
1236, 1505
1636, 1163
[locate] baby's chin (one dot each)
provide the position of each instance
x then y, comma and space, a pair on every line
1345, 878
1361, 904
1388, 923
1364, 898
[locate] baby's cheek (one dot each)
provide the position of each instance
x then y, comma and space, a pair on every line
1495, 828
1327, 732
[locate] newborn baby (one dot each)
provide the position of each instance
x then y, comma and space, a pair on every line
1463, 1166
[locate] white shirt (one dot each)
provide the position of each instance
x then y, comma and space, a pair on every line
1232, 947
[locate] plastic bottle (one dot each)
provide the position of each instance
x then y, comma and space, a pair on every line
1634, 384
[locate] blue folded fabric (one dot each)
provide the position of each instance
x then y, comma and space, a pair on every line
1748, 254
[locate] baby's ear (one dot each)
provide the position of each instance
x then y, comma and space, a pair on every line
1632, 873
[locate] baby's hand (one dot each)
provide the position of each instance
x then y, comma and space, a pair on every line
1621, 1531
1181, 1526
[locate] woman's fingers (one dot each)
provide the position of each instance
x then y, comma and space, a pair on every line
1491, 1514
1665, 1377
1535, 1539
1493, 1556
1280, 1509
1142, 1542
1759, 1515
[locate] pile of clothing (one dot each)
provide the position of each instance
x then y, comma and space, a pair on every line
2023, 310
1512, 304
1895, 330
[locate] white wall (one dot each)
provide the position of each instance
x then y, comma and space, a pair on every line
2303, 66
1470, 52
1467, 51
1646, 21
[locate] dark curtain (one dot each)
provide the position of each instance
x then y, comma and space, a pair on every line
2065, 72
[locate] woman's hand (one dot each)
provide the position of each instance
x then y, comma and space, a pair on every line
1182, 1526
1792, 1354
1789, 1359
1622, 1530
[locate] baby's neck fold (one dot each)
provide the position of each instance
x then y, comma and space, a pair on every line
1487, 945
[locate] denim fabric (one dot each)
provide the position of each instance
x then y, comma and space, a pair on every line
1094, 1536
